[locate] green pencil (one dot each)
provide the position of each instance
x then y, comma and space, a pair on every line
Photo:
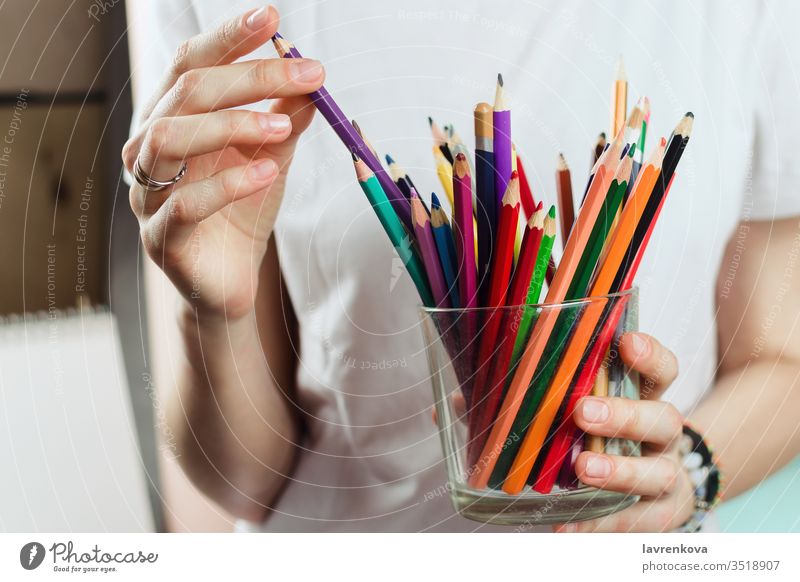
535, 289
579, 285
565, 323
393, 227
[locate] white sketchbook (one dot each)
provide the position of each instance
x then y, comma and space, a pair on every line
69, 455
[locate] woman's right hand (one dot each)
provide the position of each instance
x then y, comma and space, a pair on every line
209, 232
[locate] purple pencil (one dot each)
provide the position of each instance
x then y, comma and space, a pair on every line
427, 247
501, 133
463, 232
349, 136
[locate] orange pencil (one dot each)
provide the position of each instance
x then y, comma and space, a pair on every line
547, 320
570, 359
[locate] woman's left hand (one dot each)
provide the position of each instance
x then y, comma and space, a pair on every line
667, 495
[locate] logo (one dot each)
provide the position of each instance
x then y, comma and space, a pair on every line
31, 555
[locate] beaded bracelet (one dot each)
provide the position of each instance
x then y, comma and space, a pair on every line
705, 475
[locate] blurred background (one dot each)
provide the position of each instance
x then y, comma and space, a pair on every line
81, 445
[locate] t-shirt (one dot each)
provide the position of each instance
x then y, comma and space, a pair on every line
372, 460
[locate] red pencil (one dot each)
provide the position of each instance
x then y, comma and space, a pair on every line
525, 192
501, 361
502, 261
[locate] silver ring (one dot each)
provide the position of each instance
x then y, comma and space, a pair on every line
152, 185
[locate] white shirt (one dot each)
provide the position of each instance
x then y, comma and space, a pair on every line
372, 453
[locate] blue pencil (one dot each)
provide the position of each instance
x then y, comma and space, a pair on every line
443, 236
485, 200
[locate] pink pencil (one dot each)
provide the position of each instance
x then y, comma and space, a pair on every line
463, 232
427, 246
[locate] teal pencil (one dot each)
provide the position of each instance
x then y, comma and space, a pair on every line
443, 236
394, 228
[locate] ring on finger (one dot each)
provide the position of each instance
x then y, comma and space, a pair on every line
151, 184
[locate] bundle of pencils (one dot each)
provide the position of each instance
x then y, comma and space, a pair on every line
495, 251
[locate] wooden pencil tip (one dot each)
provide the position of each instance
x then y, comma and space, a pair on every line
552, 212
621, 70
461, 157
690, 114
562, 163
355, 157
435, 203
389, 159
514, 175
430, 121
356, 127
500, 79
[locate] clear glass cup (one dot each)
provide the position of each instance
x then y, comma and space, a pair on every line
473, 356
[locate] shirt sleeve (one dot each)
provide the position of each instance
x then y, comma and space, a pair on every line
775, 73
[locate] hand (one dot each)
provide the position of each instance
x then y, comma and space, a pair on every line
209, 232
667, 495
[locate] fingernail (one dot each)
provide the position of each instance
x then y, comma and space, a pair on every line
258, 19
262, 170
272, 122
598, 467
640, 345
305, 71
594, 410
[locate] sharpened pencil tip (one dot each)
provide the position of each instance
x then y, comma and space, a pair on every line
552, 212
355, 157
435, 204
389, 159
690, 114
461, 157
430, 121
500, 79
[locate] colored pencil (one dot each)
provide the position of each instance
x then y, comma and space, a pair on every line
443, 236
607, 278
440, 140
338, 121
525, 192
619, 100
464, 233
400, 176
566, 208
645, 107
614, 258
649, 187
393, 227
537, 282
498, 289
602, 227
444, 170
486, 207
501, 140
599, 147
430, 255
498, 364
546, 321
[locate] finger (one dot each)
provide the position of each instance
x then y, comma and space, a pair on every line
646, 476
224, 86
171, 140
658, 515
654, 422
657, 364
231, 40
169, 229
